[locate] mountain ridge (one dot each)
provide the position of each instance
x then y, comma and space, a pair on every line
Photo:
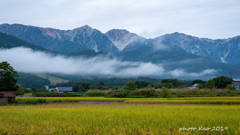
118, 41
78, 39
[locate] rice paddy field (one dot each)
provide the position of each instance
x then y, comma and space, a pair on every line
134, 116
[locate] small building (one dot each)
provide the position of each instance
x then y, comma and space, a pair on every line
236, 84
193, 87
46, 87
7, 94
64, 89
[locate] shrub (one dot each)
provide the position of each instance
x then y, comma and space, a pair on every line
116, 88
230, 87
146, 93
118, 93
20, 91
168, 85
104, 87
182, 87
199, 86
158, 85
95, 94
49, 94
165, 91
30, 102
11, 101
149, 87
42, 101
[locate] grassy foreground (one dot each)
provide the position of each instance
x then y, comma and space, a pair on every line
117, 118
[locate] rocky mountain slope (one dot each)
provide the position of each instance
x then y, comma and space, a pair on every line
124, 40
222, 50
75, 40
117, 42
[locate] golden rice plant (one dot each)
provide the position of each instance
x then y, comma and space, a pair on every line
116, 118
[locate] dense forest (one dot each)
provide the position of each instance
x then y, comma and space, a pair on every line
111, 82
28, 81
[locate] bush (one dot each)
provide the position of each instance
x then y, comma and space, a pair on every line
118, 93
149, 87
104, 87
95, 94
116, 88
30, 102
230, 87
146, 93
11, 101
199, 86
131, 86
168, 85
182, 87
165, 91
42, 101
49, 94
158, 85
20, 91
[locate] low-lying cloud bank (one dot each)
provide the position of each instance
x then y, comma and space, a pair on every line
27, 60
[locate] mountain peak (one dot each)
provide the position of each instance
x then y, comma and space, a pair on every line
86, 27
118, 31
122, 38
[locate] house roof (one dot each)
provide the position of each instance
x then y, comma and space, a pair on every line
8, 89
62, 89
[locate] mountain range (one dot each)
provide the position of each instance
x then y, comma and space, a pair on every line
120, 41
175, 50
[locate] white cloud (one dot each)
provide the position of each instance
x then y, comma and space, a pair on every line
181, 72
26, 60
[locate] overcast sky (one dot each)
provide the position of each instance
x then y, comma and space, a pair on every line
148, 18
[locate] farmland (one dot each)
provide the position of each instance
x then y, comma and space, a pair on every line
189, 115
186, 100
118, 118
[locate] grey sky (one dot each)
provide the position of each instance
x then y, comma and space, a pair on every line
148, 18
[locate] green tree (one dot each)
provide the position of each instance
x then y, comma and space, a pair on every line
165, 91
100, 84
54, 91
170, 82
116, 88
131, 86
210, 84
20, 91
198, 81
199, 86
149, 87
7, 76
34, 89
168, 85
104, 87
80, 88
230, 87
222, 81
158, 85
